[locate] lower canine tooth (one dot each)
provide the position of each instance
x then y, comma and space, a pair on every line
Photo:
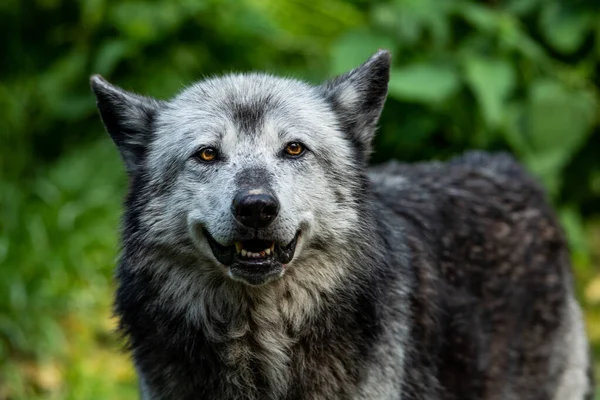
238, 246
268, 251
244, 252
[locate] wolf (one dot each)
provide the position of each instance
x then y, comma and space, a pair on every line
262, 258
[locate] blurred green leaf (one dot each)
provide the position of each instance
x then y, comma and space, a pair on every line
513, 130
547, 166
522, 7
563, 27
492, 81
428, 83
412, 20
92, 12
146, 21
597, 38
560, 118
110, 54
572, 223
355, 47
559, 121
482, 17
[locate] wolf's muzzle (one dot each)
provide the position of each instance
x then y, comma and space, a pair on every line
255, 208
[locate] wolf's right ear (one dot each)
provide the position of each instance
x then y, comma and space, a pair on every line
358, 96
128, 119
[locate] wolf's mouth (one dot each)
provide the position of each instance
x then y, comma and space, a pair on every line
254, 261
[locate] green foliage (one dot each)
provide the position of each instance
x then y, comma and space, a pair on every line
515, 75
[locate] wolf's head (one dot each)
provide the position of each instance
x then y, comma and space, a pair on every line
247, 174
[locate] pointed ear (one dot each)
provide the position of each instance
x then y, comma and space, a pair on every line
358, 97
128, 119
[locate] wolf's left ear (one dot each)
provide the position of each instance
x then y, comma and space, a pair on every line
358, 97
128, 119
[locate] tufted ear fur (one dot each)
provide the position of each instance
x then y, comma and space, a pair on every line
127, 117
358, 97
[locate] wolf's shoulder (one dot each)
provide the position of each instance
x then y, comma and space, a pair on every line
499, 165
480, 216
478, 199
487, 179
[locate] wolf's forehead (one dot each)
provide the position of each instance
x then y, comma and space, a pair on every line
250, 105
247, 96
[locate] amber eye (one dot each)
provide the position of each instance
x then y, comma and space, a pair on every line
207, 154
294, 149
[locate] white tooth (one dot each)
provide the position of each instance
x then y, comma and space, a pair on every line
268, 251
244, 252
272, 246
238, 246
256, 255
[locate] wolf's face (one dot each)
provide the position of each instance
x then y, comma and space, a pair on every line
255, 171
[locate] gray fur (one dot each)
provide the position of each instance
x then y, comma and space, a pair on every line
385, 296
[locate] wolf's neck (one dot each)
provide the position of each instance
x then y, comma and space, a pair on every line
258, 335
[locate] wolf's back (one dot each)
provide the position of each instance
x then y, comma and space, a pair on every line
500, 285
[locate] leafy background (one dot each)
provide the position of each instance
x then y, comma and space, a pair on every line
516, 75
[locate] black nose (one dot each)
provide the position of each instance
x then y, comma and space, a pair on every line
255, 208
